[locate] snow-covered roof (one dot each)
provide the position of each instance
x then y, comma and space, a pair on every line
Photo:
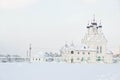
84, 47
117, 55
39, 54
109, 52
77, 47
46, 54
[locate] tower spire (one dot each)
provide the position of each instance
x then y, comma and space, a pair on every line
66, 45
88, 25
100, 26
93, 22
93, 17
72, 44
30, 48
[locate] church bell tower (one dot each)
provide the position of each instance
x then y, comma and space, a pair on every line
94, 38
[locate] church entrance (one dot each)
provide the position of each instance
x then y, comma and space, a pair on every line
72, 60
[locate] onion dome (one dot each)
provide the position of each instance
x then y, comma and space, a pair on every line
94, 23
66, 45
88, 26
100, 26
91, 25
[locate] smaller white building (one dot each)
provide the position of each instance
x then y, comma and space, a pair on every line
78, 54
11, 58
46, 57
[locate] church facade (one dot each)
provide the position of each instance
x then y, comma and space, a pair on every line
93, 47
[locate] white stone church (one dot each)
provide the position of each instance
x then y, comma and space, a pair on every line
93, 48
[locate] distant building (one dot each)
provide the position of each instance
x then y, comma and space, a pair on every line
46, 57
116, 58
11, 58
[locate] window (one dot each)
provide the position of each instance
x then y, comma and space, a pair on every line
98, 58
84, 47
88, 53
72, 52
82, 59
72, 60
83, 52
97, 49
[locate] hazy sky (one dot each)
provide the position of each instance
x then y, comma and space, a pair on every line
48, 24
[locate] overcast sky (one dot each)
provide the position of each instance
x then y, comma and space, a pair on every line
48, 24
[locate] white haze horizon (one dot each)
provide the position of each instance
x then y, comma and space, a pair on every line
49, 24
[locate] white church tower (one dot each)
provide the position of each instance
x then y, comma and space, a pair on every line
95, 39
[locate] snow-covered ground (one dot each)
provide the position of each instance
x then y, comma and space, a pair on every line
59, 71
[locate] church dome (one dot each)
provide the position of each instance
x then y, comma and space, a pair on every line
100, 26
94, 23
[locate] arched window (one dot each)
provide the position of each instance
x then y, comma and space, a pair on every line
72, 52
72, 60
36, 59
88, 53
97, 49
82, 59
98, 58
84, 47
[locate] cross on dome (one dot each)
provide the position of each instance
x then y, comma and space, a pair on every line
93, 22
93, 17
100, 26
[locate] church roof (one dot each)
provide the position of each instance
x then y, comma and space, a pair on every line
81, 47
109, 52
